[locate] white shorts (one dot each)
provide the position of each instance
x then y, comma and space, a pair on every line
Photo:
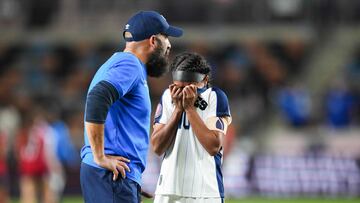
179, 199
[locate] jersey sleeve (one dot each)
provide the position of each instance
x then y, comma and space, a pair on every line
164, 108
123, 75
218, 117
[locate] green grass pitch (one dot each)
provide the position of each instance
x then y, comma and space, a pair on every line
252, 200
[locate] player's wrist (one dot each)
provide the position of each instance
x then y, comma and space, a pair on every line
190, 109
98, 159
178, 110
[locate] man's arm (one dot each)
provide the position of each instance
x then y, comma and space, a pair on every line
211, 140
164, 134
95, 133
98, 102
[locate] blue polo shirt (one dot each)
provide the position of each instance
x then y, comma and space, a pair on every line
127, 123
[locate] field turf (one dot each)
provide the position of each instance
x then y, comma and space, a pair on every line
252, 200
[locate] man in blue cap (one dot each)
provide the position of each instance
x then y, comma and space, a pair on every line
117, 112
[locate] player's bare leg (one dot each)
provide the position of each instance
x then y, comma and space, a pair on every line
27, 189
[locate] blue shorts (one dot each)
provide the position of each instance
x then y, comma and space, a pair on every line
97, 186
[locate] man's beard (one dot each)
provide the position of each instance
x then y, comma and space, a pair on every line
157, 64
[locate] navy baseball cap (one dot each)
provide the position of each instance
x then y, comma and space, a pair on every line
144, 24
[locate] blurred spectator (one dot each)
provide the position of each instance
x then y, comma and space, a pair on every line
64, 151
9, 120
75, 122
295, 104
35, 159
64, 148
339, 104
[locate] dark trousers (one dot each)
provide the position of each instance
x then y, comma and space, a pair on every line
98, 187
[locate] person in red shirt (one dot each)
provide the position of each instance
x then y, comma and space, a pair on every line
32, 160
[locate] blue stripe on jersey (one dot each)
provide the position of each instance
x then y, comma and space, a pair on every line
222, 107
220, 124
219, 175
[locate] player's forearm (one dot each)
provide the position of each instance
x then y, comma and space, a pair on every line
162, 138
209, 139
95, 134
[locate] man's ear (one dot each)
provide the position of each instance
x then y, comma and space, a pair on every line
152, 41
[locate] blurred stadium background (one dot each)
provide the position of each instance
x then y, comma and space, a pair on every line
291, 70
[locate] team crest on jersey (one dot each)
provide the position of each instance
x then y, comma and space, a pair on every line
158, 111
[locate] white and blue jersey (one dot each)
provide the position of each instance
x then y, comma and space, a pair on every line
188, 170
128, 120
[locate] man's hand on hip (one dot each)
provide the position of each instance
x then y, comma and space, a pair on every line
115, 164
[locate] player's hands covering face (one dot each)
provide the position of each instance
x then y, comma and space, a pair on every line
189, 96
176, 96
